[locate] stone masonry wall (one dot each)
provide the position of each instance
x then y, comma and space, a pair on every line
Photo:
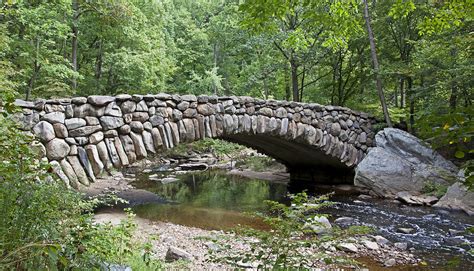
84, 137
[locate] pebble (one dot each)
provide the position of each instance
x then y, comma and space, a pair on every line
381, 240
390, 262
406, 230
174, 254
363, 196
348, 247
371, 245
401, 246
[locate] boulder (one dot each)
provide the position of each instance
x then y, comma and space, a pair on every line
148, 142
113, 110
381, 240
320, 225
371, 245
125, 130
157, 139
79, 100
54, 117
57, 149
142, 107
91, 120
114, 157
84, 131
78, 170
94, 158
189, 98
123, 97
136, 126
84, 160
174, 254
44, 131
111, 133
56, 167
104, 155
96, 137
60, 130
38, 149
100, 100
109, 122
348, 247
140, 116
140, 149
156, 120
75, 123
121, 152
458, 197
69, 171
128, 107
402, 162
81, 111
408, 198
205, 109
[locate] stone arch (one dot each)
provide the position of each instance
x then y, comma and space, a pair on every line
87, 136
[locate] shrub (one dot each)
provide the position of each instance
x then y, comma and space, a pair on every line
44, 225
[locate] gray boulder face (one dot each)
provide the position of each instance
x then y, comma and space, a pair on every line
100, 100
411, 148
402, 162
109, 123
75, 123
174, 254
54, 117
458, 197
57, 149
44, 131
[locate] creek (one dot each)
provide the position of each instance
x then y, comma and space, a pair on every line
215, 200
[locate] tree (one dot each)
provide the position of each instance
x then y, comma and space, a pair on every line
375, 63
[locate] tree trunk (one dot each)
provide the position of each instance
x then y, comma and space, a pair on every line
75, 16
287, 83
402, 93
302, 84
265, 87
376, 65
214, 51
36, 68
453, 99
412, 104
294, 81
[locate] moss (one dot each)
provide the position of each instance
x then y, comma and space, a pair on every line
435, 189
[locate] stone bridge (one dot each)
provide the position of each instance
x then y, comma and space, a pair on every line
85, 137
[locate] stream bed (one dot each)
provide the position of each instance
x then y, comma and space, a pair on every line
215, 200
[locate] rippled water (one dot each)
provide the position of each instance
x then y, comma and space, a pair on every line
215, 200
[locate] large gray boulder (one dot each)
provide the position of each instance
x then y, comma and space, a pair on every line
458, 197
44, 131
57, 149
402, 162
109, 122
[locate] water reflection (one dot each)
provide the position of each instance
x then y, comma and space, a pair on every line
210, 200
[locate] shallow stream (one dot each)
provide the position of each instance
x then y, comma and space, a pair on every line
215, 200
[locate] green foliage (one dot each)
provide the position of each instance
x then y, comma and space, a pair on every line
449, 128
44, 225
256, 163
434, 189
218, 147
